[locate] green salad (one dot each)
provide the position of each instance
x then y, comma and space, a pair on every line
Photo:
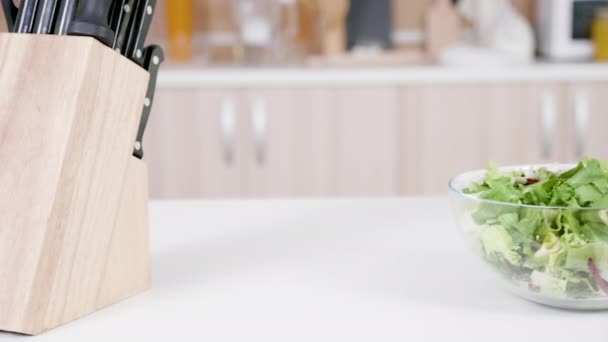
557, 244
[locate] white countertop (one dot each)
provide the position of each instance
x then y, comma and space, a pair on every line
186, 77
320, 270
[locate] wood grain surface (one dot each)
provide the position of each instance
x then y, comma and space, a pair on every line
67, 127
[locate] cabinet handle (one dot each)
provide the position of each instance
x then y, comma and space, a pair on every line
581, 121
228, 127
548, 123
259, 119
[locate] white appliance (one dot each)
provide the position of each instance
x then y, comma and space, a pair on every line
564, 28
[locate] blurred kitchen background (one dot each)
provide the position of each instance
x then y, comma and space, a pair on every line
292, 98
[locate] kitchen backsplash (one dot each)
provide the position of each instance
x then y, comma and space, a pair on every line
215, 16
214, 20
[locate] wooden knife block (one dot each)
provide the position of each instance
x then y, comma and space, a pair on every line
73, 200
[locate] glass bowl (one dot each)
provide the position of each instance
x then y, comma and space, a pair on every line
555, 256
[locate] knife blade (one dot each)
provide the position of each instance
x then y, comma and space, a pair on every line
45, 14
153, 57
92, 20
25, 16
139, 30
10, 14
65, 15
123, 11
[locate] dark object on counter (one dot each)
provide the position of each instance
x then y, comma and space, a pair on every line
153, 57
10, 14
583, 13
92, 20
123, 11
25, 16
45, 13
142, 19
65, 15
369, 24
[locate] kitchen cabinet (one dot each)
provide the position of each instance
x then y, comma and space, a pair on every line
192, 144
273, 142
288, 139
355, 138
587, 120
237, 143
164, 144
449, 129
365, 155
320, 141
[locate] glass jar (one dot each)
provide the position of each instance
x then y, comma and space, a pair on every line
180, 29
257, 22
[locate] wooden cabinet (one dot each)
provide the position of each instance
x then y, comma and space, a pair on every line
449, 129
288, 139
192, 142
321, 142
587, 119
366, 150
166, 145
273, 142
380, 140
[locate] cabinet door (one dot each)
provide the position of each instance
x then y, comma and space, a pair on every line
366, 146
525, 125
192, 144
287, 142
587, 120
454, 128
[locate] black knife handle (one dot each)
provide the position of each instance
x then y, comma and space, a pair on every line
44, 16
67, 10
130, 29
153, 57
123, 11
25, 16
10, 14
92, 20
139, 32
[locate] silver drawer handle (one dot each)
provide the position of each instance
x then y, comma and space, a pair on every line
548, 123
228, 127
581, 121
259, 119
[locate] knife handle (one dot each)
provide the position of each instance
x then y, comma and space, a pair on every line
67, 10
44, 16
10, 13
123, 11
25, 16
153, 57
92, 20
139, 31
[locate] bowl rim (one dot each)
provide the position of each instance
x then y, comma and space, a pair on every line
559, 166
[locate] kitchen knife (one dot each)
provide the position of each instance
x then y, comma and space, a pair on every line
10, 14
139, 30
153, 57
45, 13
25, 16
65, 15
92, 20
123, 11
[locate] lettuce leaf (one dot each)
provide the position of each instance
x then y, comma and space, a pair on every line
553, 244
578, 257
497, 243
549, 284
